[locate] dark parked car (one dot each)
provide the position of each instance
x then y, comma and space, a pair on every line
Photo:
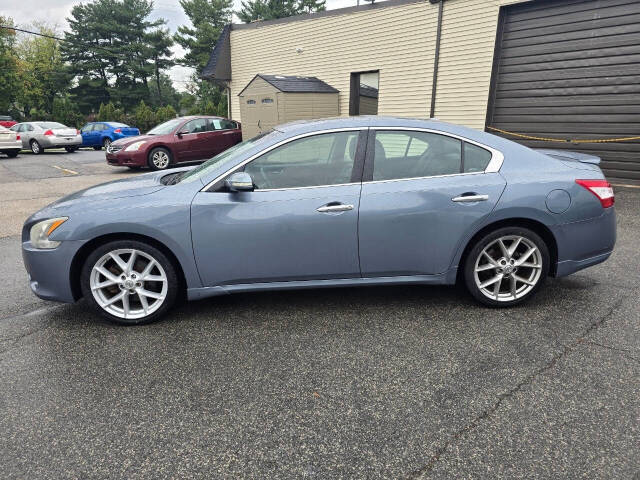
102, 134
183, 139
341, 202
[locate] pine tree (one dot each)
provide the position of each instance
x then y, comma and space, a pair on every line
208, 18
253, 10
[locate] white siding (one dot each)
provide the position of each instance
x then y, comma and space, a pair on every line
399, 41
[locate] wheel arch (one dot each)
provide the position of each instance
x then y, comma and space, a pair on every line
535, 225
83, 253
162, 145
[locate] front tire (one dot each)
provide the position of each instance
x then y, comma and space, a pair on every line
506, 267
159, 158
70, 149
35, 147
96, 148
129, 282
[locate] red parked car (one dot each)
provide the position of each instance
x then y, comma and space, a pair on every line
6, 121
182, 139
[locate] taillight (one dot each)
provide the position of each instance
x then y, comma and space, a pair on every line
17, 137
117, 130
48, 133
601, 189
77, 132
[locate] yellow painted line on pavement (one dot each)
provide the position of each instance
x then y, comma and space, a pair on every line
66, 170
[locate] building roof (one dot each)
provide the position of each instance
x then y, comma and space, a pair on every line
218, 68
295, 84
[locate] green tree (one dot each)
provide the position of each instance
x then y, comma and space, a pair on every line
110, 113
143, 117
165, 113
44, 74
160, 43
115, 51
253, 10
67, 112
10, 83
208, 18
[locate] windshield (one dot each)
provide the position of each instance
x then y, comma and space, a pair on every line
228, 156
50, 125
166, 127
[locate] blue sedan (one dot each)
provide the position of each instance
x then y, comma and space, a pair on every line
102, 134
340, 202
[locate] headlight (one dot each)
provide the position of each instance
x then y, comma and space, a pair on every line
40, 232
134, 146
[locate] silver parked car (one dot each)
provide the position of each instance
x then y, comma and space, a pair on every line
10, 143
36, 136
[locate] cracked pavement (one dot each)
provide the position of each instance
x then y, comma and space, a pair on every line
389, 382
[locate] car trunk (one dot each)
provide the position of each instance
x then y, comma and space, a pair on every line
64, 132
7, 135
129, 131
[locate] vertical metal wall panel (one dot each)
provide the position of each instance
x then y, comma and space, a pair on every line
571, 69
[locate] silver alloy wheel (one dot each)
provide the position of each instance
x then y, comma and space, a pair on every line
160, 159
128, 283
508, 268
106, 143
35, 147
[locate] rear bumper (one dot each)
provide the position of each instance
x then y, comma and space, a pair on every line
12, 145
49, 270
127, 159
59, 142
586, 243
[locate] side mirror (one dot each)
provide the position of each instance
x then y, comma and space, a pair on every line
239, 182
181, 133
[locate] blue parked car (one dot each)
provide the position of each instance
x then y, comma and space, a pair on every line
340, 202
101, 134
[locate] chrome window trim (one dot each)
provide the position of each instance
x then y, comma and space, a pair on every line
494, 165
278, 144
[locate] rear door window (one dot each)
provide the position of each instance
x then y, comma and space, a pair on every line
406, 154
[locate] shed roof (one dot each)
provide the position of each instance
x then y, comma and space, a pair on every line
295, 84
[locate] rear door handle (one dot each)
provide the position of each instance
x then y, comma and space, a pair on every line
470, 198
330, 208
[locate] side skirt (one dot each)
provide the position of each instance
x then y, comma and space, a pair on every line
447, 278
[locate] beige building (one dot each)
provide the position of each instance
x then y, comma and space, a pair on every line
524, 66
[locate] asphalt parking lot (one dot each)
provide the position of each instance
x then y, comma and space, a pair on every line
387, 382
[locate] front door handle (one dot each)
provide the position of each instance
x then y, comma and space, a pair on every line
332, 208
470, 198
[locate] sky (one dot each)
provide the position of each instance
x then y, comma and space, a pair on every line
55, 12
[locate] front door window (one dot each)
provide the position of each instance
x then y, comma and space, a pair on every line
325, 159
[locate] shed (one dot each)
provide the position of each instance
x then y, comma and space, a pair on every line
269, 100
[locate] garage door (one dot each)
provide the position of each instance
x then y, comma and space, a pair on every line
571, 70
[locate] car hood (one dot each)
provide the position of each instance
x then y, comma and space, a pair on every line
129, 140
129, 187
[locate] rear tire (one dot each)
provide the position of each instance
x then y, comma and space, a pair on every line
129, 292
159, 158
35, 147
106, 142
506, 267
12, 153
71, 149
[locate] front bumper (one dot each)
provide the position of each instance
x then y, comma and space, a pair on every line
50, 270
11, 145
127, 159
51, 141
